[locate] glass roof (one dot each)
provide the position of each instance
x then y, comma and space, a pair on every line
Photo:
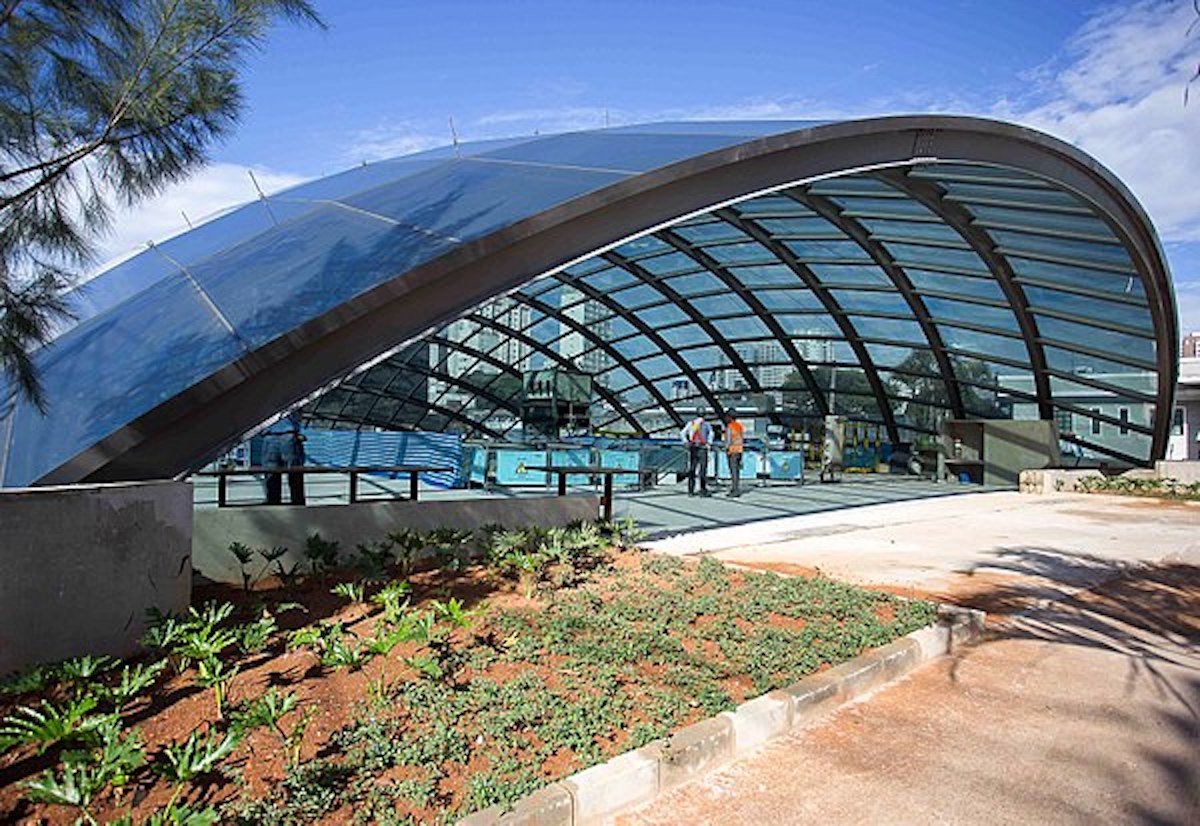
897, 296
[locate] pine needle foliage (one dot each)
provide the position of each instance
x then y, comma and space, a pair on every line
103, 103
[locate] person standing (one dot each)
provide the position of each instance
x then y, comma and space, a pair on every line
735, 445
283, 447
697, 436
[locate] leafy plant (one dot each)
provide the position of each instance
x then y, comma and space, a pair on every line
78, 783
195, 757
453, 612
354, 592
252, 637
212, 673
33, 680
322, 554
49, 724
374, 558
344, 651
134, 680
265, 712
81, 670
408, 542
393, 598
426, 666
244, 555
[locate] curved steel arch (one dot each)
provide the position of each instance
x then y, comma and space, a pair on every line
832, 213
185, 425
980, 241
832, 307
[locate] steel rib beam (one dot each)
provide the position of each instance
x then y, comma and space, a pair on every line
832, 307
833, 213
649, 332
958, 218
668, 292
761, 312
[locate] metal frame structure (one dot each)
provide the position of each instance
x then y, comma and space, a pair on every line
970, 240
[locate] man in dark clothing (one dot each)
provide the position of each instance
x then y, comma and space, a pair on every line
697, 435
283, 447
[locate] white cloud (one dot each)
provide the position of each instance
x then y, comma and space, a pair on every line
390, 140
213, 189
1117, 93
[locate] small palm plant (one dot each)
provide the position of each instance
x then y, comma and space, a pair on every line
408, 543
212, 673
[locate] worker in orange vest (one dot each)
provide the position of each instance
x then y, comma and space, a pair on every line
735, 445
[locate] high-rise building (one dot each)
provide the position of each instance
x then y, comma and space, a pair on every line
573, 345
1191, 345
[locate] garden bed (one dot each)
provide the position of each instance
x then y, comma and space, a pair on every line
474, 684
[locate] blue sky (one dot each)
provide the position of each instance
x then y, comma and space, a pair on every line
385, 78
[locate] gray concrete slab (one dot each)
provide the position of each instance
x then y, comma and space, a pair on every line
1054, 543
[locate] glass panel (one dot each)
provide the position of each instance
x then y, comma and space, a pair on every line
646, 245
657, 366
851, 274
687, 335
1082, 224
673, 262
1096, 339
1088, 251
610, 279
912, 254
1109, 372
1008, 348
819, 326
662, 315
706, 358
870, 301
946, 309
1119, 313
742, 327
741, 254
892, 329
814, 226
960, 284
639, 295
1092, 280
887, 355
720, 305
827, 250
702, 282
790, 299
772, 204
916, 230
636, 347
716, 231
1012, 195
765, 276
856, 207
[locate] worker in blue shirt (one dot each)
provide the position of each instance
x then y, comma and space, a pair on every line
283, 447
697, 435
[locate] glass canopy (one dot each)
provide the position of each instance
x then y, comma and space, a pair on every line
896, 293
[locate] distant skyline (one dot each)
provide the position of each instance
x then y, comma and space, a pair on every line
386, 78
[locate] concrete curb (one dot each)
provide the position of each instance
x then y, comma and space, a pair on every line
595, 795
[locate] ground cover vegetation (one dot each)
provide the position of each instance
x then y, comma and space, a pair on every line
1126, 486
420, 678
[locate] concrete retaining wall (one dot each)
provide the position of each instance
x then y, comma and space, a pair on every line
593, 796
1185, 473
80, 564
263, 526
1054, 481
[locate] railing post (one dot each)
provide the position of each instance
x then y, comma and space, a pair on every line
222, 496
353, 486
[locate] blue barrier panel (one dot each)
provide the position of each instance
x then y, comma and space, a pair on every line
577, 457
862, 456
751, 464
477, 462
630, 459
512, 467
345, 448
785, 464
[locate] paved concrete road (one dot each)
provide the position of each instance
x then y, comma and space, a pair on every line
1082, 706
954, 543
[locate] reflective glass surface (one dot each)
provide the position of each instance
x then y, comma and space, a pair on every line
874, 287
